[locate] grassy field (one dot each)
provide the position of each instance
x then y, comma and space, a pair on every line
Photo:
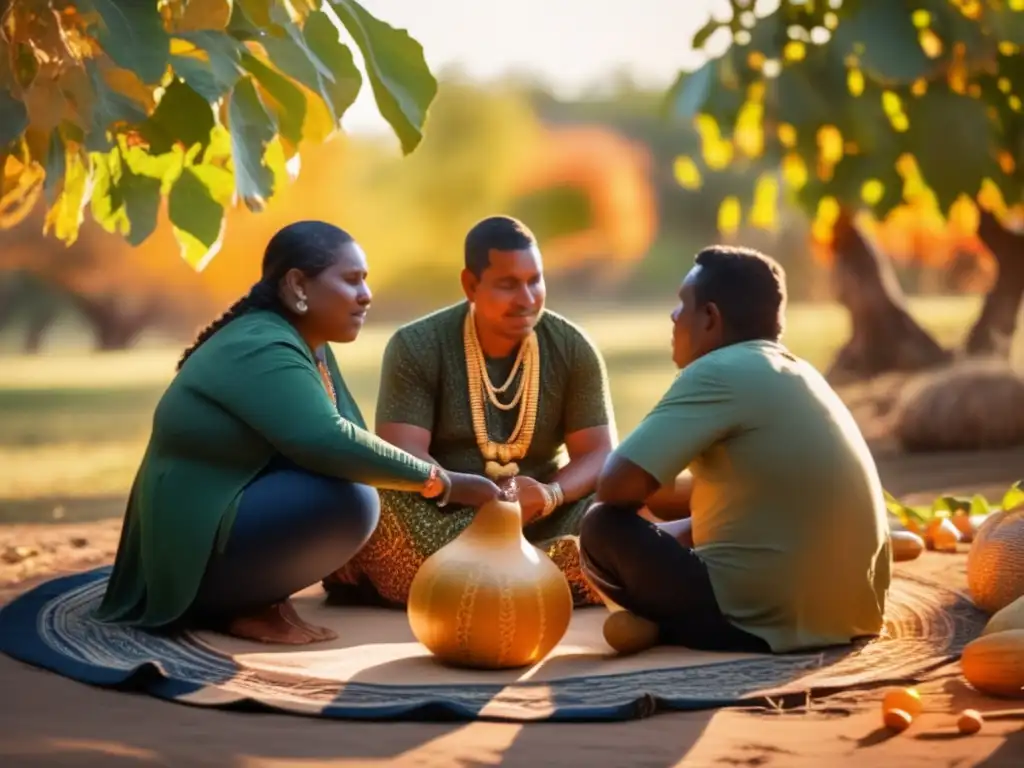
73, 425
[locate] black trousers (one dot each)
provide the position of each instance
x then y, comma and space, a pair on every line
292, 528
652, 575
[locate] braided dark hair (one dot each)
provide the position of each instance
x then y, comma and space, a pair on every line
309, 246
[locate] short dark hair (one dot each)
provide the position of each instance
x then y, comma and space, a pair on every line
499, 233
748, 287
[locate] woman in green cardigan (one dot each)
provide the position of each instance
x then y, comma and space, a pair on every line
259, 478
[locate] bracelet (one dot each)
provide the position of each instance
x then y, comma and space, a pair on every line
555, 498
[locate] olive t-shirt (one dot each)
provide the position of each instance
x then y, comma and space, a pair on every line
788, 510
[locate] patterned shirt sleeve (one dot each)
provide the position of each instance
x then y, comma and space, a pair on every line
588, 401
407, 387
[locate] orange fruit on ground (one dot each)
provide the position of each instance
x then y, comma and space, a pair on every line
905, 699
897, 720
970, 721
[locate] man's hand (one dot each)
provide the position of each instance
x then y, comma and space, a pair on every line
532, 498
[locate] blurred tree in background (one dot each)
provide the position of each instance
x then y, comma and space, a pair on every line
858, 110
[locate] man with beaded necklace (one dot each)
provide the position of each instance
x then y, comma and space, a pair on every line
495, 385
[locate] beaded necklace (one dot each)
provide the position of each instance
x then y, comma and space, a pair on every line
501, 458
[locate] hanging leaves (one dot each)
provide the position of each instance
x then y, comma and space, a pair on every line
113, 106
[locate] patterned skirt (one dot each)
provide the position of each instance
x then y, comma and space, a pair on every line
412, 528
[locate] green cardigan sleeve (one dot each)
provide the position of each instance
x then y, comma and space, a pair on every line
275, 388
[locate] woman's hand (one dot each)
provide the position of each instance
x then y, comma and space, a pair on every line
471, 490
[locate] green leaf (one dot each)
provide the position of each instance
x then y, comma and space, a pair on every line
902, 511
403, 85
110, 109
798, 101
197, 217
979, 505
952, 136
1014, 496
286, 101
950, 505
251, 131
213, 67
181, 116
13, 117
132, 34
320, 62
124, 202
881, 34
687, 96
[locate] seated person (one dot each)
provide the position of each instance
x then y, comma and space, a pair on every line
787, 544
259, 477
494, 385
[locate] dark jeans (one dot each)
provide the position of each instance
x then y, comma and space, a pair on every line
652, 575
292, 529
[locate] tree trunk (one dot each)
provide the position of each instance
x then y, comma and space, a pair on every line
885, 337
992, 333
114, 327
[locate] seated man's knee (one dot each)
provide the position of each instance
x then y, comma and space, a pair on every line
602, 526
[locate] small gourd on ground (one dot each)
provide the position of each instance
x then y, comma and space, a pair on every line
490, 599
995, 563
905, 545
1010, 617
994, 663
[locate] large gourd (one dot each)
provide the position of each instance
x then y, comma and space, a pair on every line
490, 599
994, 664
995, 563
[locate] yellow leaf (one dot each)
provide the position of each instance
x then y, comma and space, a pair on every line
855, 82
919, 87
963, 216
1004, 84
729, 214
787, 135
755, 60
794, 171
991, 199
687, 173
871, 191
1007, 48
766, 198
830, 144
794, 51
199, 15
1014, 102
930, 43
921, 18
824, 220
66, 214
1016, 5
717, 152
749, 130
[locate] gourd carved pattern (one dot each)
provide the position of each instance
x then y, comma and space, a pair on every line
995, 563
490, 599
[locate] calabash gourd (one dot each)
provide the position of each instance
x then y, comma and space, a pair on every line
995, 563
1010, 617
905, 545
994, 664
490, 599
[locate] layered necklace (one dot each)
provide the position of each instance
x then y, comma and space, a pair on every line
501, 458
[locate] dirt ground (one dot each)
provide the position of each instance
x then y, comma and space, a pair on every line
46, 720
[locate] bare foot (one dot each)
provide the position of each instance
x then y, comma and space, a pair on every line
274, 625
322, 634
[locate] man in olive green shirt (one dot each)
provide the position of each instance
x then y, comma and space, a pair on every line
787, 545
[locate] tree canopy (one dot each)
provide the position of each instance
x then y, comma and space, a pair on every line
860, 104
120, 106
